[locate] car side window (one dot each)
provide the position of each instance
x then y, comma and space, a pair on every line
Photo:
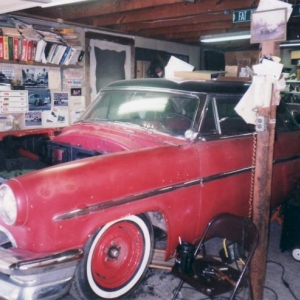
222, 119
208, 126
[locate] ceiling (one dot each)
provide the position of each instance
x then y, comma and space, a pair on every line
183, 21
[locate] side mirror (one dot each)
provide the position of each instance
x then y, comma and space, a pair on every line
190, 135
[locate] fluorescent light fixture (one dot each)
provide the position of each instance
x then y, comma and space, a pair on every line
61, 2
225, 37
38, 1
291, 44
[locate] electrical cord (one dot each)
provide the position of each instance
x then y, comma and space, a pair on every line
285, 283
267, 288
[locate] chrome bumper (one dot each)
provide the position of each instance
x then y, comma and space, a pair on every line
26, 275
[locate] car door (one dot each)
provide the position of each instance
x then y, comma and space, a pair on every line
226, 148
286, 160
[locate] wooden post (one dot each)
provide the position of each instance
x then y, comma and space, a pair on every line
262, 189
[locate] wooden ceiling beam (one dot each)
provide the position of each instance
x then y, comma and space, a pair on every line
174, 11
189, 20
183, 30
100, 8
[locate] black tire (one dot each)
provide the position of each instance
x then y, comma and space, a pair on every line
115, 260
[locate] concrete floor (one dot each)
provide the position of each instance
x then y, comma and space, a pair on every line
159, 284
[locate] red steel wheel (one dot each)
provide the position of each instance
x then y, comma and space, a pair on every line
118, 258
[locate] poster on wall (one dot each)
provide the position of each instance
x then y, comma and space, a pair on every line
76, 92
33, 119
35, 77
77, 107
269, 25
39, 99
56, 117
60, 98
9, 122
8, 72
72, 78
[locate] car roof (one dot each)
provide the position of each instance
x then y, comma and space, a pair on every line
213, 86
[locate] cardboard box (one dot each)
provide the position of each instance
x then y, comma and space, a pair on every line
198, 75
295, 54
231, 71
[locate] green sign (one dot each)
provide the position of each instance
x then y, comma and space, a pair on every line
242, 16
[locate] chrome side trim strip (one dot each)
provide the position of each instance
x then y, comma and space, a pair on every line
112, 203
281, 160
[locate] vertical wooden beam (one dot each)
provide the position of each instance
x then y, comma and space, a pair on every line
262, 189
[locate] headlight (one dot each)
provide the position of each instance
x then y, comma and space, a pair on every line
8, 205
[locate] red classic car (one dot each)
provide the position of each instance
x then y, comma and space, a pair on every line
146, 154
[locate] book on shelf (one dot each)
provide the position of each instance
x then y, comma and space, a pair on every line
16, 50
20, 47
56, 54
60, 53
69, 56
1, 47
65, 55
5, 48
53, 53
50, 51
47, 49
29, 50
73, 60
23, 57
39, 52
33, 52
11, 31
81, 55
10, 48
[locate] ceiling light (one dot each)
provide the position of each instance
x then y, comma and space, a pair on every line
61, 2
38, 1
291, 44
225, 37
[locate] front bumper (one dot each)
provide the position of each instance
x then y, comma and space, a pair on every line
28, 276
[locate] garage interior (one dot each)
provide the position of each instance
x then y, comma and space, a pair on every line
151, 32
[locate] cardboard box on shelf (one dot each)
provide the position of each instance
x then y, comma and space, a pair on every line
198, 75
231, 71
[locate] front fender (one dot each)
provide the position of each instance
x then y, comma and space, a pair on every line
105, 188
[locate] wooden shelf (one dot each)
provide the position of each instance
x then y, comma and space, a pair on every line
291, 92
293, 81
32, 63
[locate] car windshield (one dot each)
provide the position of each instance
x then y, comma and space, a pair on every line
162, 111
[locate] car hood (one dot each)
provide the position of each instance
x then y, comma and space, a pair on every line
113, 137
